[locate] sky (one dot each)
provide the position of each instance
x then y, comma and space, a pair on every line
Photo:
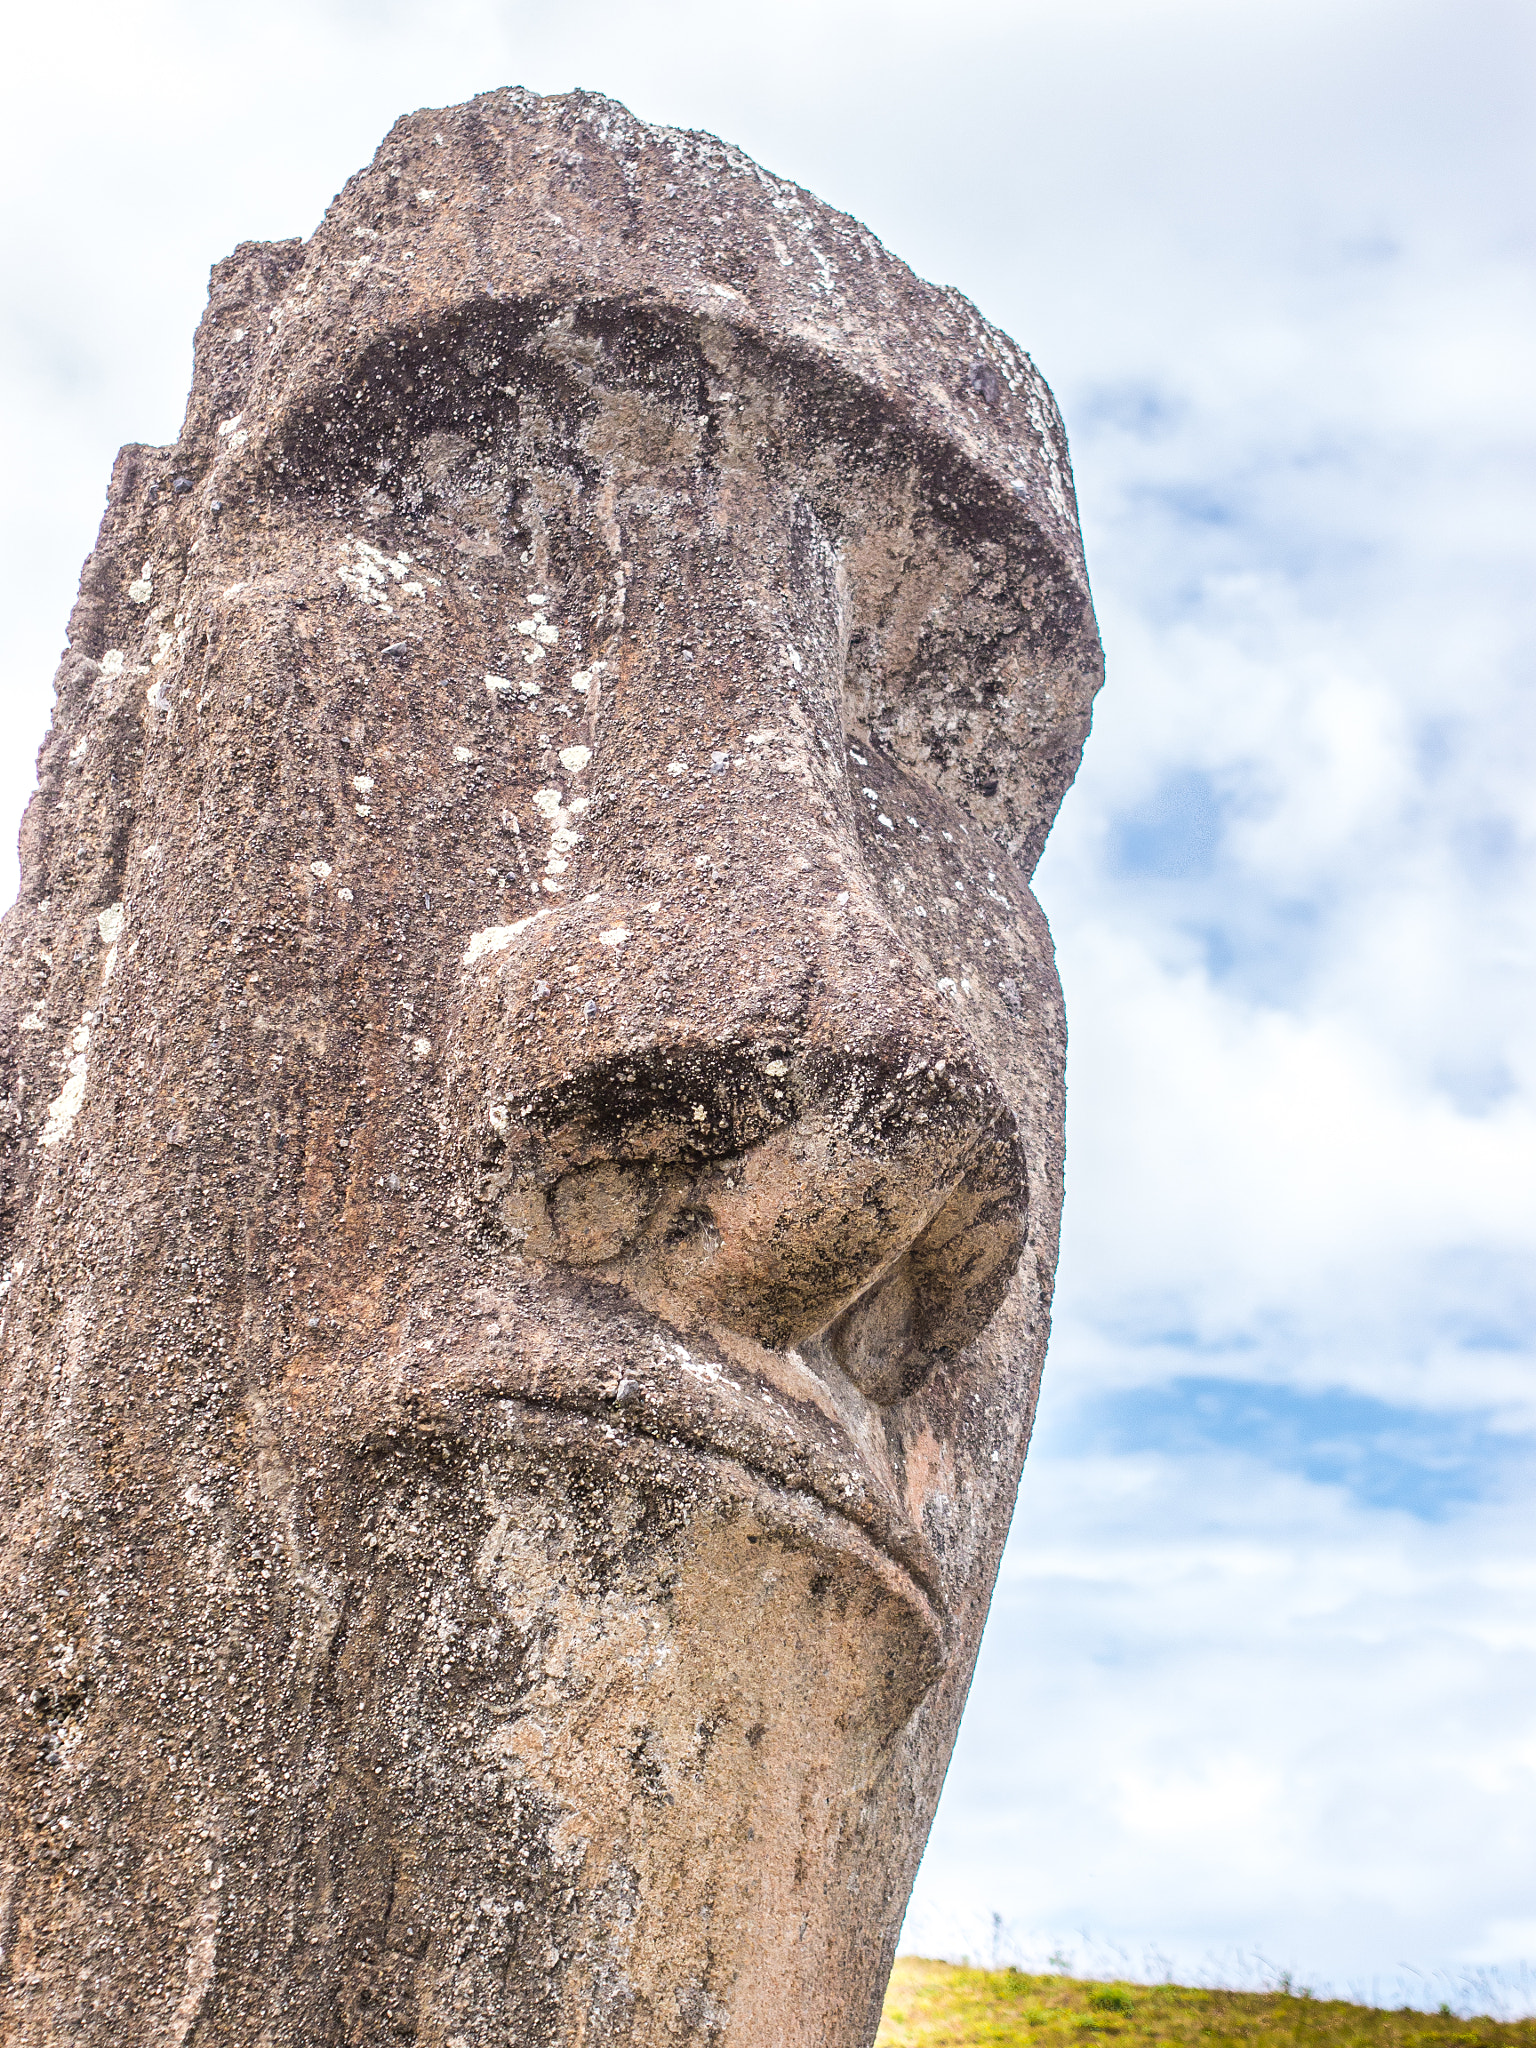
1258, 1693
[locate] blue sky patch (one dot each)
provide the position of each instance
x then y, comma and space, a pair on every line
1424, 1464
1133, 408
1175, 834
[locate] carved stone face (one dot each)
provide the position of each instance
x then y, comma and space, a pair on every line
593, 745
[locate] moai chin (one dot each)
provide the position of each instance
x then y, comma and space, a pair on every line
534, 1096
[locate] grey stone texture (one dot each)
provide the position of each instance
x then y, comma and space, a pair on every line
533, 1088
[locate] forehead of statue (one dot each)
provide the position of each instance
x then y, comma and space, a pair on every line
535, 445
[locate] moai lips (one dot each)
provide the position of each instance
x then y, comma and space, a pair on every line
535, 1081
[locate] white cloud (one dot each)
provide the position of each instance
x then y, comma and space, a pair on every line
1222, 1712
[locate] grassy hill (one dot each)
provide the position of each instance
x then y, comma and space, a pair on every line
936, 2005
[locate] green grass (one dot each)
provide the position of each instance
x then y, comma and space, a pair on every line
936, 2005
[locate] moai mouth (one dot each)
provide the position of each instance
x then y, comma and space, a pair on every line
534, 1082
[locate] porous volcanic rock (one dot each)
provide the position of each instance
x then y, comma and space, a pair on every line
532, 1119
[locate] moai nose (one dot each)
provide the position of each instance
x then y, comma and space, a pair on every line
707, 1064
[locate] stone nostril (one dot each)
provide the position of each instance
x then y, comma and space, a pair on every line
867, 1202
692, 1226
689, 1249
663, 1105
787, 1183
874, 1343
946, 1287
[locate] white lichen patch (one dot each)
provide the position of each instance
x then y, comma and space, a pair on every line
559, 817
563, 836
503, 686
538, 629
613, 937
65, 1106
462, 755
370, 575
363, 784
496, 938
112, 662
142, 588
574, 759
78, 751
320, 869
709, 1370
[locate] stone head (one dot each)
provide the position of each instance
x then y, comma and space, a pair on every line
551, 1121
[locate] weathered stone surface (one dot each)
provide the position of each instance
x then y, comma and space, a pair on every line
533, 1094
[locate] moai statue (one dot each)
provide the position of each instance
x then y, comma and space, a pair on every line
533, 1080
